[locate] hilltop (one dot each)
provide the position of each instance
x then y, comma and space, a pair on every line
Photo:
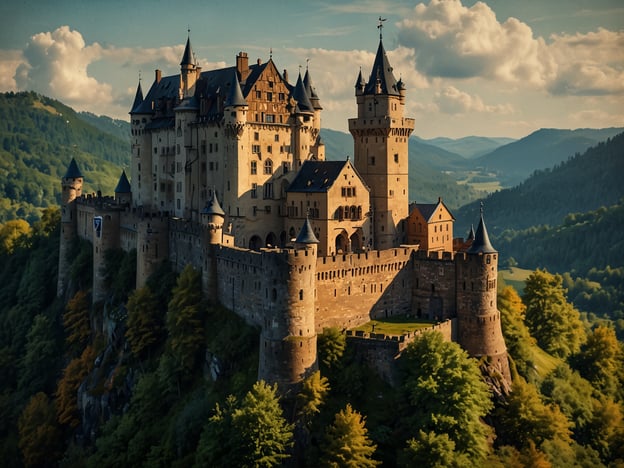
39, 136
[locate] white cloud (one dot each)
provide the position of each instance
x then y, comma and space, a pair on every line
454, 41
9, 61
453, 101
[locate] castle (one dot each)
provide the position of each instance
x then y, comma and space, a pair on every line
229, 175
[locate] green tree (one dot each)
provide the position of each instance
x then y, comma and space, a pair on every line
431, 450
252, 433
447, 394
38, 366
10, 234
601, 360
331, 346
67, 388
39, 436
527, 419
145, 327
185, 319
553, 321
517, 336
312, 396
347, 443
76, 322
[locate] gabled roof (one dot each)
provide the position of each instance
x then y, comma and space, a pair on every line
72, 170
123, 186
481, 243
381, 71
187, 58
428, 209
316, 176
138, 98
306, 235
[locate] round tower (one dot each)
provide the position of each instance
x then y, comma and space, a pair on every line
212, 217
288, 337
71, 184
478, 319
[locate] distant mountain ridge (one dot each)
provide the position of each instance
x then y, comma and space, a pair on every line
584, 182
468, 147
541, 149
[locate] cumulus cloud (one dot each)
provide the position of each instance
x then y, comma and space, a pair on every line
453, 101
56, 65
454, 41
9, 61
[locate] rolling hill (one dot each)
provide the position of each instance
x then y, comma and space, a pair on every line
39, 136
582, 183
469, 147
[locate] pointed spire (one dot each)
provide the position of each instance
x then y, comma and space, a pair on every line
72, 170
235, 97
123, 186
306, 235
187, 58
303, 102
213, 207
481, 243
138, 98
471, 234
310, 90
382, 74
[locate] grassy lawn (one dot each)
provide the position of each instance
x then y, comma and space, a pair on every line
515, 277
398, 325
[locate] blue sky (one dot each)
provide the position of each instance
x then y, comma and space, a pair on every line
494, 68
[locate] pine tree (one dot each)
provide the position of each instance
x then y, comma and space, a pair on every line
67, 389
347, 443
145, 327
39, 436
185, 319
312, 396
76, 322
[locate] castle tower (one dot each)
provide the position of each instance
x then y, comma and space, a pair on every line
188, 71
288, 337
306, 129
478, 318
123, 191
141, 159
380, 136
71, 184
212, 217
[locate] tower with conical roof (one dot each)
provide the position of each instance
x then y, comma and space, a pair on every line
71, 184
380, 136
478, 320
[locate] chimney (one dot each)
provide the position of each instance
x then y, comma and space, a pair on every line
158, 76
242, 66
285, 75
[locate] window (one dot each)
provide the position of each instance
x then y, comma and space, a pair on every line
276, 137
258, 94
281, 96
372, 160
268, 166
254, 190
396, 157
348, 191
269, 118
255, 149
270, 96
256, 136
254, 167
269, 149
178, 187
268, 190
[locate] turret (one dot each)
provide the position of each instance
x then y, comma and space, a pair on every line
478, 318
288, 338
71, 184
212, 217
188, 71
123, 191
140, 142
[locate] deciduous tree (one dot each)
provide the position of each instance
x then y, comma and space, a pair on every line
76, 322
39, 436
145, 324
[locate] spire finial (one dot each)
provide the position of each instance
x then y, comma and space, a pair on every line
271, 53
481, 208
380, 26
307, 63
139, 76
188, 30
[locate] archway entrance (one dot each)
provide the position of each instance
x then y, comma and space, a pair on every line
342, 243
356, 242
255, 243
271, 240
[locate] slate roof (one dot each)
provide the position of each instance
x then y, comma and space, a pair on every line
481, 243
316, 176
235, 97
123, 186
72, 170
187, 58
138, 98
213, 207
311, 91
304, 105
382, 71
306, 235
428, 209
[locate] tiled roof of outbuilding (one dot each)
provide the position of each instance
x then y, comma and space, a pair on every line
316, 176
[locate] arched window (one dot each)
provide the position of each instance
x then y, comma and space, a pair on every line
353, 212
346, 212
268, 166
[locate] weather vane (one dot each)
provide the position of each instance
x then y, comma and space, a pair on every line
380, 26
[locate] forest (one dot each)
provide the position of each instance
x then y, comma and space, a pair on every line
159, 377
39, 137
